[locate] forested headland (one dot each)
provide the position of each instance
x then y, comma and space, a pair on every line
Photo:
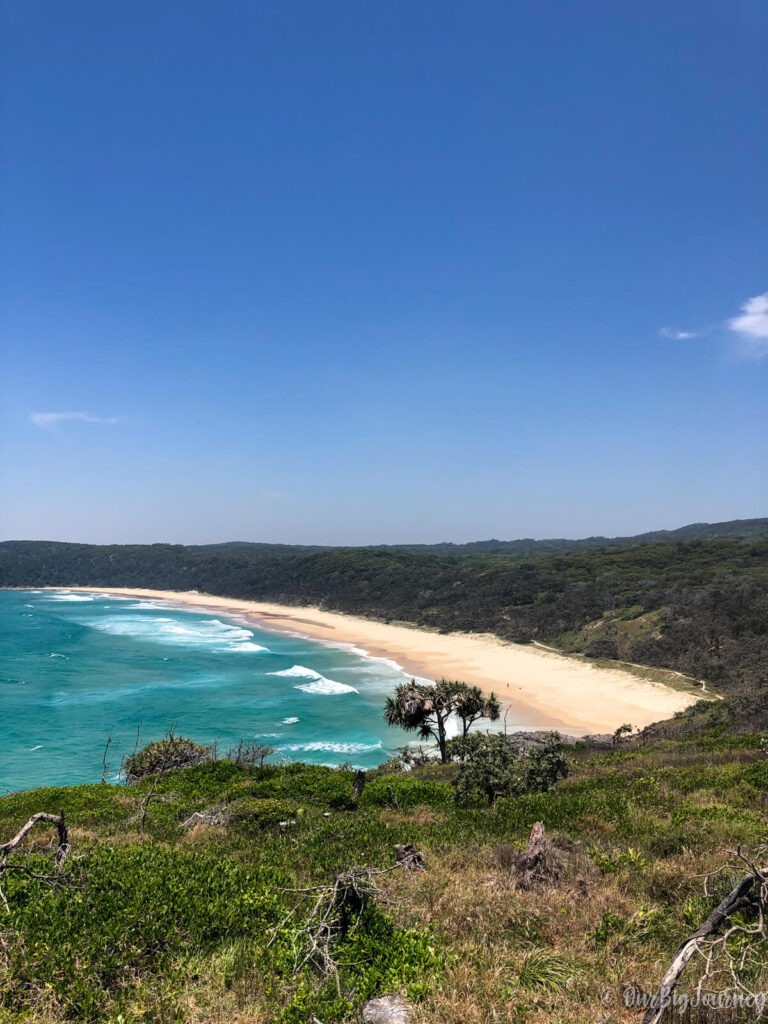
693, 600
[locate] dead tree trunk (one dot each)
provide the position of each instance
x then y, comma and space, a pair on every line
359, 784
735, 901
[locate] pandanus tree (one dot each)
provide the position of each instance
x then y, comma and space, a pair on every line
473, 705
425, 708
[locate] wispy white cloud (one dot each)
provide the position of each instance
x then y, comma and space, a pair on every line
751, 326
51, 419
670, 332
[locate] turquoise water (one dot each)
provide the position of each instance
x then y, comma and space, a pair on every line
74, 666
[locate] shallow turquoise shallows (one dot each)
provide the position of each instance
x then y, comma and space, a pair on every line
75, 666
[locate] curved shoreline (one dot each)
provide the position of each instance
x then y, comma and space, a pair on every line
540, 689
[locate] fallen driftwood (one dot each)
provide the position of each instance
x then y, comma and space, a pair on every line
741, 897
62, 849
538, 864
408, 857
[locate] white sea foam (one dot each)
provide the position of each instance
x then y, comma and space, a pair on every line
38, 747
289, 721
143, 606
208, 634
372, 661
326, 686
332, 748
297, 671
318, 684
71, 597
246, 646
55, 655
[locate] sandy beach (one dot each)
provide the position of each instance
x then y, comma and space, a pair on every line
540, 689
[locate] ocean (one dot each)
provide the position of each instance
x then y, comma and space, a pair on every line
75, 667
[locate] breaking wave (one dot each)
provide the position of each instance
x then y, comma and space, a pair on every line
208, 634
332, 748
318, 683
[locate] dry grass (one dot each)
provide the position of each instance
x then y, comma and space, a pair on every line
422, 815
532, 955
202, 834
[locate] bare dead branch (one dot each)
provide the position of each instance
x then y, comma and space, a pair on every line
212, 816
12, 845
335, 913
731, 954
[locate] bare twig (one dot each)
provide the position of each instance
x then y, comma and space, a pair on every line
138, 735
104, 757
148, 797
335, 913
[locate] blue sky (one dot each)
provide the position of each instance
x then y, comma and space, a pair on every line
343, 272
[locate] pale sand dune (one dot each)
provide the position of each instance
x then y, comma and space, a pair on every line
541, 689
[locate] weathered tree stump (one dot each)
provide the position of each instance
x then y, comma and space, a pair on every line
408, 857
538, 864
390, 1009
359, 784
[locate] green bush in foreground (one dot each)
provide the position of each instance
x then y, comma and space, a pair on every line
492, 766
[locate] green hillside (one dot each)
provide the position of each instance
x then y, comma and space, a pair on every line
203, 919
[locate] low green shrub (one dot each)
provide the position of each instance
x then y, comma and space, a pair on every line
170, 753
260, 813
409, 792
